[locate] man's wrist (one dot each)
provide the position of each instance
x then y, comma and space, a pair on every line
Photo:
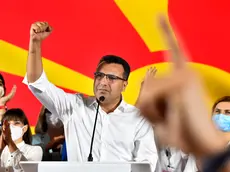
35, 42
34, 46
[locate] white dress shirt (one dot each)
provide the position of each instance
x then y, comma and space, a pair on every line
122, 135
24, 152
53, 120
171, 160
191, 165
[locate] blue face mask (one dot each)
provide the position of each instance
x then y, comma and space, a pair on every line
222, 122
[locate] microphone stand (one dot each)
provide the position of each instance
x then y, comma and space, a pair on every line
90, 157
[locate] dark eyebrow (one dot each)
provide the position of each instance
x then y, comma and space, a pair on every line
18, 122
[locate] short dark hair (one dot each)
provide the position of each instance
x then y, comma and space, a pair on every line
3, 83
108, 59
222, 99
17, 114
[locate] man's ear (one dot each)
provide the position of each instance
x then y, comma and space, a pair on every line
124, 85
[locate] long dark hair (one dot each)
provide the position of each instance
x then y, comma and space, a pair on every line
3, 83
42, 125
17, 114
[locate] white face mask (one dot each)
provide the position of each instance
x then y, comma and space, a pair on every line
16, 132
1, 91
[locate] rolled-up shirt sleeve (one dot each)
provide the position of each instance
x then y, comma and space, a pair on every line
53, 98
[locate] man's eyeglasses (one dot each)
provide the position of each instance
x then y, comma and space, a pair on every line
110, 77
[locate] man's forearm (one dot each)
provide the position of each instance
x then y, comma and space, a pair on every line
34, 62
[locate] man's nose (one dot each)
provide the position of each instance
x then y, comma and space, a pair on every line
104, 80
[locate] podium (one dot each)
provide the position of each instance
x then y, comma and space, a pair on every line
56, 166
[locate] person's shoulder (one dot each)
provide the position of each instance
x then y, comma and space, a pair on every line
36, 138
34, 148
130, 108
134, 112
5, 149
32, 153
80, 99
141, 120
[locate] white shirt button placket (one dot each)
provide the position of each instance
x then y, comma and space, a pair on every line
104, 131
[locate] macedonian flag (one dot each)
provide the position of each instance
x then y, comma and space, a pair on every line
86, 30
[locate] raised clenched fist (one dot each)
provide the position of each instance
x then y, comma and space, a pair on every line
39, 31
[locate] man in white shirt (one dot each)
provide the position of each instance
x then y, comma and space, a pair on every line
121, 133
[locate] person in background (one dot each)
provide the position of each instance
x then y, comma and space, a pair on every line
15, 140
49, 134
3, 97
64, 156
55, 131
170, 159
221, 119
41, 136
221, 116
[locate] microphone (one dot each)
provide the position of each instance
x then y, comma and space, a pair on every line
90, 157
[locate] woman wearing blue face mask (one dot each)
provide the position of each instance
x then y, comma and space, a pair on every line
221, 114
15, 140
221, 119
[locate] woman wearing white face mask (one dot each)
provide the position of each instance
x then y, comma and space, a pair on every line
15, 140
